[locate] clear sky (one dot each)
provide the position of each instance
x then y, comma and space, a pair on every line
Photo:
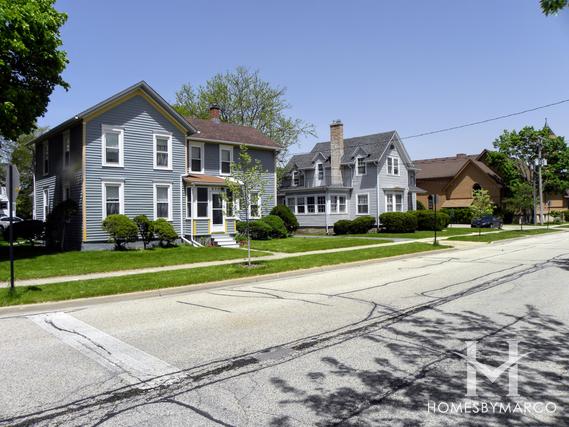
377, 65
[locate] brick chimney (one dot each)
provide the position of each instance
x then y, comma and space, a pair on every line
336, 151
214, 112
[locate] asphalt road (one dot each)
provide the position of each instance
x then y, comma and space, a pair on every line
380, 344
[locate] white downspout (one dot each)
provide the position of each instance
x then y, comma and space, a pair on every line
377, 191
191, 241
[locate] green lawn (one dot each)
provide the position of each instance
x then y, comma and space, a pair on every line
166, 279
422, 234
305, 244
503, 235
33, 262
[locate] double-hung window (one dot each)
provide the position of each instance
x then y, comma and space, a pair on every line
363, 204
45, 153
225, 159
202, 202
295, 178
254, 207
230, 204
394, 202
310, 204
361, 166
321, 204
319, 173
338, 204
113, 146
291, 203
162, 151
163, 201
392, 166
66, 149
113, 198
300, 207
196, 154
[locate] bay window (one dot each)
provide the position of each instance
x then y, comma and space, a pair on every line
394, 202
321, 204
310, 205
300, 207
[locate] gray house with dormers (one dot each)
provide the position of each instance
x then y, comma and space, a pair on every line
134, 154
347, 178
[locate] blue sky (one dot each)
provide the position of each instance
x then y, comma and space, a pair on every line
377, 65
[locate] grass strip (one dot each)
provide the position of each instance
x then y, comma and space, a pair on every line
305, 244
503, 235
167, 279
35, 263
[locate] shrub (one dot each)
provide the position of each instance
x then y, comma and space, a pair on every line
342, 226
277, 226
27, 230
420, 206
566, 215
362, 224
458, 215
426, 220
164, 232
284, 212
398, 222
145, 229
259, 230
121, 229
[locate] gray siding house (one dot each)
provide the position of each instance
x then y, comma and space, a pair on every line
133, 154
347, 178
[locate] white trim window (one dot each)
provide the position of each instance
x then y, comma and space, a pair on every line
338, 204
66, 142
254, 205
310, 204
363, 204
189, 200
393, 166
113, 198
295, 178
225, 159
196, 158
319, 173
291, 203
45, 202
202, 202
162, 151
112, 146
394, 202
361, 166
45, 157
231, 204
321, 204
300, 206
163, 201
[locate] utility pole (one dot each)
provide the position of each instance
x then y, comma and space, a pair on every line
540, 165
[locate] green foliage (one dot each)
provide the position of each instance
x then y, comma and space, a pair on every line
362, 224
245, 99
278, 229
31, 62
31, 231
520, 201
482, 204
458, 215
258, 230
420, 206
398, 222
121, 229
145, 229
426, 220
284, 212
342, 226
164, 232
57, 223
552, 7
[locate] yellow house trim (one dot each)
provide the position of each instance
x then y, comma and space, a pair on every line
194, 226
84, 180
209, 226
138, 92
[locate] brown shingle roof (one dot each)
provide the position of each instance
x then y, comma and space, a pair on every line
448, 167
220, 131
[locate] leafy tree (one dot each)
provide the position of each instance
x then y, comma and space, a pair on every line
551, 7
31, 62
245, 99
521, 200
246, 183
481, 205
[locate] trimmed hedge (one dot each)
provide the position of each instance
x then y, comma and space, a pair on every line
278, 229
362, 224
426, 220
258, 229
398, 222
458, 215
420, 206
145, 229
121, 229
164, 232
342, 226
284, 212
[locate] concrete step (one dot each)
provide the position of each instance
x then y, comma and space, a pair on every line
224, 241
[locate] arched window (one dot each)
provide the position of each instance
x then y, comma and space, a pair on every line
476, 187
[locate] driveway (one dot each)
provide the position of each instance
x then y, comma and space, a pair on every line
380, 344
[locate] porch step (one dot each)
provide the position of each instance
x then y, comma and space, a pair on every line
224, 241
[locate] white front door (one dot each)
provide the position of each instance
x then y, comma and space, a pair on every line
217, 219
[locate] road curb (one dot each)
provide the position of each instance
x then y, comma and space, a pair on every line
27, 309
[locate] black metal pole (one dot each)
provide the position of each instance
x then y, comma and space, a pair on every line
435, 227
10, 228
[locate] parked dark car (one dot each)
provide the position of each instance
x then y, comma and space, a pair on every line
487, 221
5, 221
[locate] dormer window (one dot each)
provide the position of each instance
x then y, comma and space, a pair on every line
297, 179
393, 166
320, 171
361, 166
